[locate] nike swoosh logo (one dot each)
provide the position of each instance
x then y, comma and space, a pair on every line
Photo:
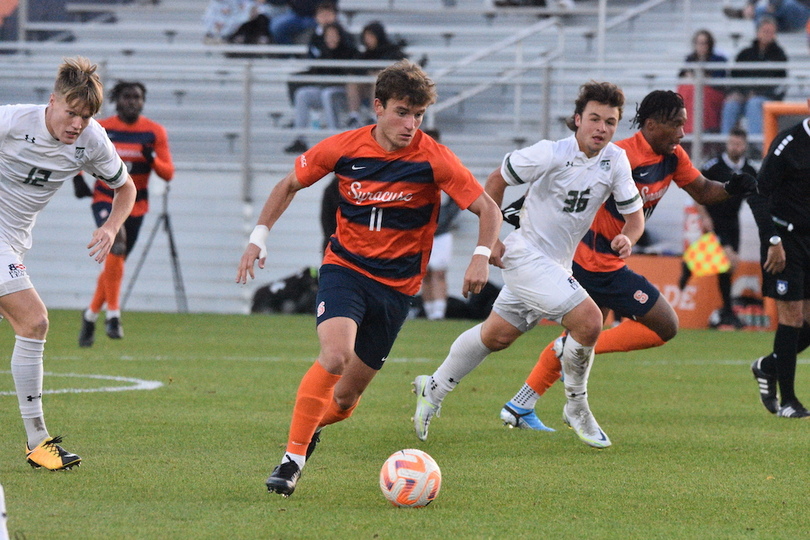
356, 168
644, 174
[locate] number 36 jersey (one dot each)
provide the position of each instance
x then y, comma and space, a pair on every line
567, 188
33, 165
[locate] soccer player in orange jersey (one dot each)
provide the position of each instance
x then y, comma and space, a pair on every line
390, 178
143, 145
657, 159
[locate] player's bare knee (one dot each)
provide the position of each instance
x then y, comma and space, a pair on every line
35, 327
335, 360
346, 401
496, 342
586, 334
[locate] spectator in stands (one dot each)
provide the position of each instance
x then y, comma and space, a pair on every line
713, 95
748, 100
295, 21
376, 45
237, 21
323, 97
790, 15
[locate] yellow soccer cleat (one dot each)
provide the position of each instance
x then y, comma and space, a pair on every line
50, 455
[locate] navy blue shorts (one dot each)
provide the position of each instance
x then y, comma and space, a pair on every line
628, 294
378, 310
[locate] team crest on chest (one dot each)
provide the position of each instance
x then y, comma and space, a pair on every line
605, 165
79, 152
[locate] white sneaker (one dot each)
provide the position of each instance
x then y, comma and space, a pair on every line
578, 416
425, 410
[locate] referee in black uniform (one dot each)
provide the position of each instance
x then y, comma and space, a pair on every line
725, 216
782, 213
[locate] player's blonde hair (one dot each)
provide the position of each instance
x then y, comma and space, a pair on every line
405, 80
78, 82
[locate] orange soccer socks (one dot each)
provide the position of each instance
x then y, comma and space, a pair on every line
546, 371
108, 287
629, 335
114, 268
312, 402
335, 414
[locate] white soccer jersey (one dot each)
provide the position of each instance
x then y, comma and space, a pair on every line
33, 165
567, 188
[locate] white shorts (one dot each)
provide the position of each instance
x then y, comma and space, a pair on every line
442, 252
535, 287
13, 276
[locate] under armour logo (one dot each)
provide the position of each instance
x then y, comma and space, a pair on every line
32, 398
569, 163
31, 139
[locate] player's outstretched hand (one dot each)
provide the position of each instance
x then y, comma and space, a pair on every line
251, 254
101, 243
476, 276
622, 245
741, 184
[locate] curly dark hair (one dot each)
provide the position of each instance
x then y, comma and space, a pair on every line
120, 86
660, 105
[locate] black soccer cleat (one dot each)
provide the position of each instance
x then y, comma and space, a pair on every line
794, 409
284, 478
767, 387
87, 335
114, 329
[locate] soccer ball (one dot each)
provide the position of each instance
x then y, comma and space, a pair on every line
410, 478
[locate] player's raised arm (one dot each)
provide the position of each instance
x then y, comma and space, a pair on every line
489, 224
277, 202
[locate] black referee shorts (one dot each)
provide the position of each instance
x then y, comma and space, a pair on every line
792, 283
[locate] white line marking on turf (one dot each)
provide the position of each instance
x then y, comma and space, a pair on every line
137, 384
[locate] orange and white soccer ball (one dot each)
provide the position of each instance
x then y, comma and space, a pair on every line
410, 478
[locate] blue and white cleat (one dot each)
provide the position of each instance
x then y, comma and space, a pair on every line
517, 417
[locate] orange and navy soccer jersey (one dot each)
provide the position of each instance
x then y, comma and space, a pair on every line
129, 140
652, 173
389, 202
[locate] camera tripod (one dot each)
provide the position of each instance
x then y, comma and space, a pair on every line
179, 289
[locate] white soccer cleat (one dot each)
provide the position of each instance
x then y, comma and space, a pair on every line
425, 410
577, 415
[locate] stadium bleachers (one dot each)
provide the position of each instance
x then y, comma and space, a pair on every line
513, 95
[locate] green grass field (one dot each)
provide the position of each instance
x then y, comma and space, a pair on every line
694, 454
